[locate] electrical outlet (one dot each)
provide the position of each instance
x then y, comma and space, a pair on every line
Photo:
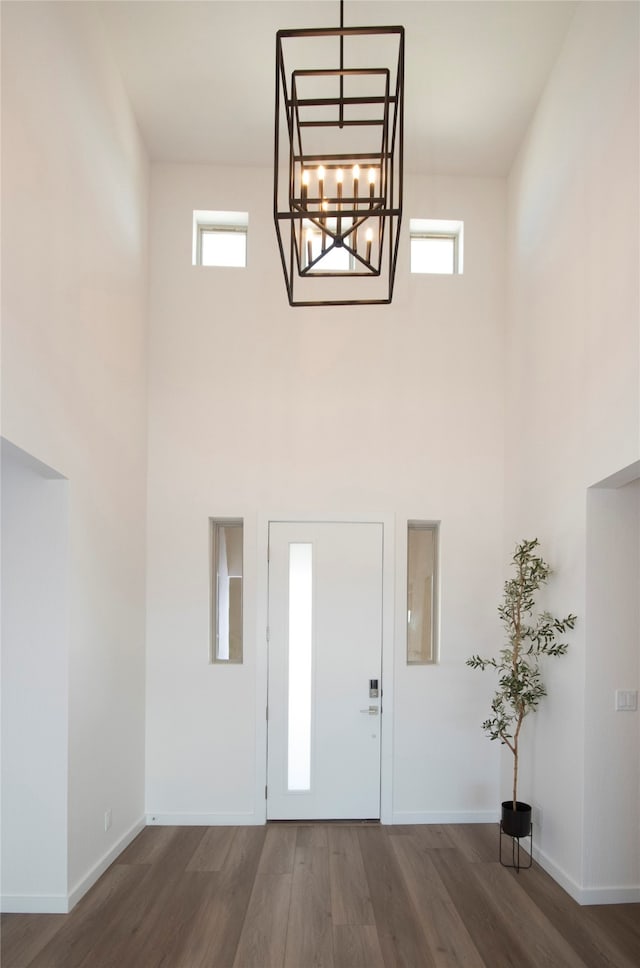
626, 700
107, 819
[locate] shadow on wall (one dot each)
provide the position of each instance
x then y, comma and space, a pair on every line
612, 736
35, 568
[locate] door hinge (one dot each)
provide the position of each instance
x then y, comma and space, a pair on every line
266, 713
267, 634
265, 791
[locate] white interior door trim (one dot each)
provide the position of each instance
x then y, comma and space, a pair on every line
388, 523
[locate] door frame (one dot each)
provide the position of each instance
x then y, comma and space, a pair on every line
262, 610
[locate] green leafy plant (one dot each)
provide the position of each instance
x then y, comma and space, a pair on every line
520, 686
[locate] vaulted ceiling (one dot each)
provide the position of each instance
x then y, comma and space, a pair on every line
200, 75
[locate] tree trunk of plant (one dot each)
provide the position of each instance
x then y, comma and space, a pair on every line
515, 750
516, 654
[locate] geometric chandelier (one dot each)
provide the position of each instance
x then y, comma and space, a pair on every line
338, 156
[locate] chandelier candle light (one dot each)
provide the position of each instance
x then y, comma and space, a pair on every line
335, 125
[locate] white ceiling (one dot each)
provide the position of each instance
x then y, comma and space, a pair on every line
201, 75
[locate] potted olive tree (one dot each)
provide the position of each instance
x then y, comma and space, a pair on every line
520, 686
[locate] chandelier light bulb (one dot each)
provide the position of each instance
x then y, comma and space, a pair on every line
356, 177
369, 239
323, 223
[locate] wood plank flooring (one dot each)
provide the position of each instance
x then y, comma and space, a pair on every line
323, 895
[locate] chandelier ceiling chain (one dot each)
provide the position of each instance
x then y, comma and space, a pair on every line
333, 126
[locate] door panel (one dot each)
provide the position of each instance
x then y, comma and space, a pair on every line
325, 640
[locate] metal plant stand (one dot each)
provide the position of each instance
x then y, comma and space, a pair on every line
515, 850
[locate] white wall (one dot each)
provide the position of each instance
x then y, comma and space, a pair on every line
35, 636
573, 391
257, 408
74, 234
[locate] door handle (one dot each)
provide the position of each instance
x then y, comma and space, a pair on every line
370, 711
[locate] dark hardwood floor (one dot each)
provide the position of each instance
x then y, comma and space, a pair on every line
322, 896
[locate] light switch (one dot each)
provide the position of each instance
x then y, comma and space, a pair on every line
626, 700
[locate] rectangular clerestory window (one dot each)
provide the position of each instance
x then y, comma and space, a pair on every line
436, 246
220, 239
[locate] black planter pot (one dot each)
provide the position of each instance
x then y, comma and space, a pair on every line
516, 823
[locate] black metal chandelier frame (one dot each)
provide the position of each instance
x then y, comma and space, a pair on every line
336, 219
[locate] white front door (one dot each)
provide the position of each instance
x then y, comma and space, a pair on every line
325, 647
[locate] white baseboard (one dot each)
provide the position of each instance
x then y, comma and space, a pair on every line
464, 816
251, 819
34, 904
90, 878
610, 895
586, 895
248, 819
63, 903
558, 874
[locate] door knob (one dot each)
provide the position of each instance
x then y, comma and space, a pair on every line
371, 711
